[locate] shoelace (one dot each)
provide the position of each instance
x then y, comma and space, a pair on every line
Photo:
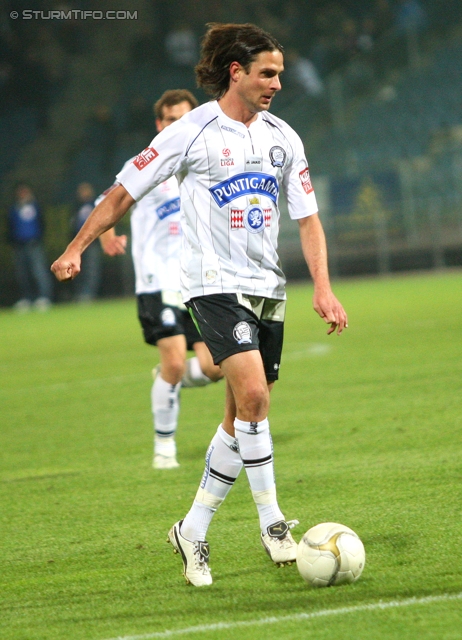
200, 561
286, 542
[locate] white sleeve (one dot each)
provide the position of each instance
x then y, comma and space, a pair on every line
101, 197
164, 157
297, 185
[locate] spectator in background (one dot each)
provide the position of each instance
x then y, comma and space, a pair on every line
182, 46
410, 16
304, 74
139, 118
25, 232
86, 289
383, 17
101, 135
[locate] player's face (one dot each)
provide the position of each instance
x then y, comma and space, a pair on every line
172, 114
258, 87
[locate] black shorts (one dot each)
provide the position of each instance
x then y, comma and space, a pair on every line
161, 320
230, 323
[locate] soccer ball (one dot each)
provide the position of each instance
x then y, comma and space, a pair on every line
330, 554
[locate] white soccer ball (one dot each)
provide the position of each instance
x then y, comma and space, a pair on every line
330, 554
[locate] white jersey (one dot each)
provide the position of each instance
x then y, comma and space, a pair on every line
230, 176
156, 239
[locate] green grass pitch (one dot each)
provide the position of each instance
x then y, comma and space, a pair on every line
367, 432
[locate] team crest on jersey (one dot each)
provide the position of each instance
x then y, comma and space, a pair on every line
237, 216
144, 158
244, 184
242, 333
167, 317
277, 156
306, 180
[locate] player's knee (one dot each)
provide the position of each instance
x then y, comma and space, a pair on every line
253, 401
174, 369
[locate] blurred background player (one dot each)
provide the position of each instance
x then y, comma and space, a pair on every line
156, 246
87, 288
25, 233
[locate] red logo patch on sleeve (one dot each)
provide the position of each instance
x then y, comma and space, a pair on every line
145, 157
306, 180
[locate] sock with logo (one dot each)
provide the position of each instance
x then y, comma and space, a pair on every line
165, 403
222, 466
256, 449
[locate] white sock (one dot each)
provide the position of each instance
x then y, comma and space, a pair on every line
256, 449
222, 466
193, 375
165, 409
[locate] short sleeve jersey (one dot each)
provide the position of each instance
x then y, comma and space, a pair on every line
230, 178
156, 238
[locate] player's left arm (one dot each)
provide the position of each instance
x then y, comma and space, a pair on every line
315, 252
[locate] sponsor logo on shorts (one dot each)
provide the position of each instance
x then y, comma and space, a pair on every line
168, 318
306, 180
242, 333
244, 184
277, 156
144, 158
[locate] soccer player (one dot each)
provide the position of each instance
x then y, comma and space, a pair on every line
233, 157
156, 248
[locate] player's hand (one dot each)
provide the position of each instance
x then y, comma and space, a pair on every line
331, 311
67, 266
114, 246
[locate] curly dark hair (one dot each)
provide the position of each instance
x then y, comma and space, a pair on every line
227, 43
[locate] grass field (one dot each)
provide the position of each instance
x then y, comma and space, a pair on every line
367, 431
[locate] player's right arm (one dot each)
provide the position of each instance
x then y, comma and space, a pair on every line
103, 217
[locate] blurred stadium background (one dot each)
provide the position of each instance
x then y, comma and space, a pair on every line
374, 88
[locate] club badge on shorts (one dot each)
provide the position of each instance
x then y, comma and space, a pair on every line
242, 333
168, 317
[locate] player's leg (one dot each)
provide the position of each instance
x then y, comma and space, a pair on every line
233, 341
162, 326
222, 466
200, 369
165, 399
246, 376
